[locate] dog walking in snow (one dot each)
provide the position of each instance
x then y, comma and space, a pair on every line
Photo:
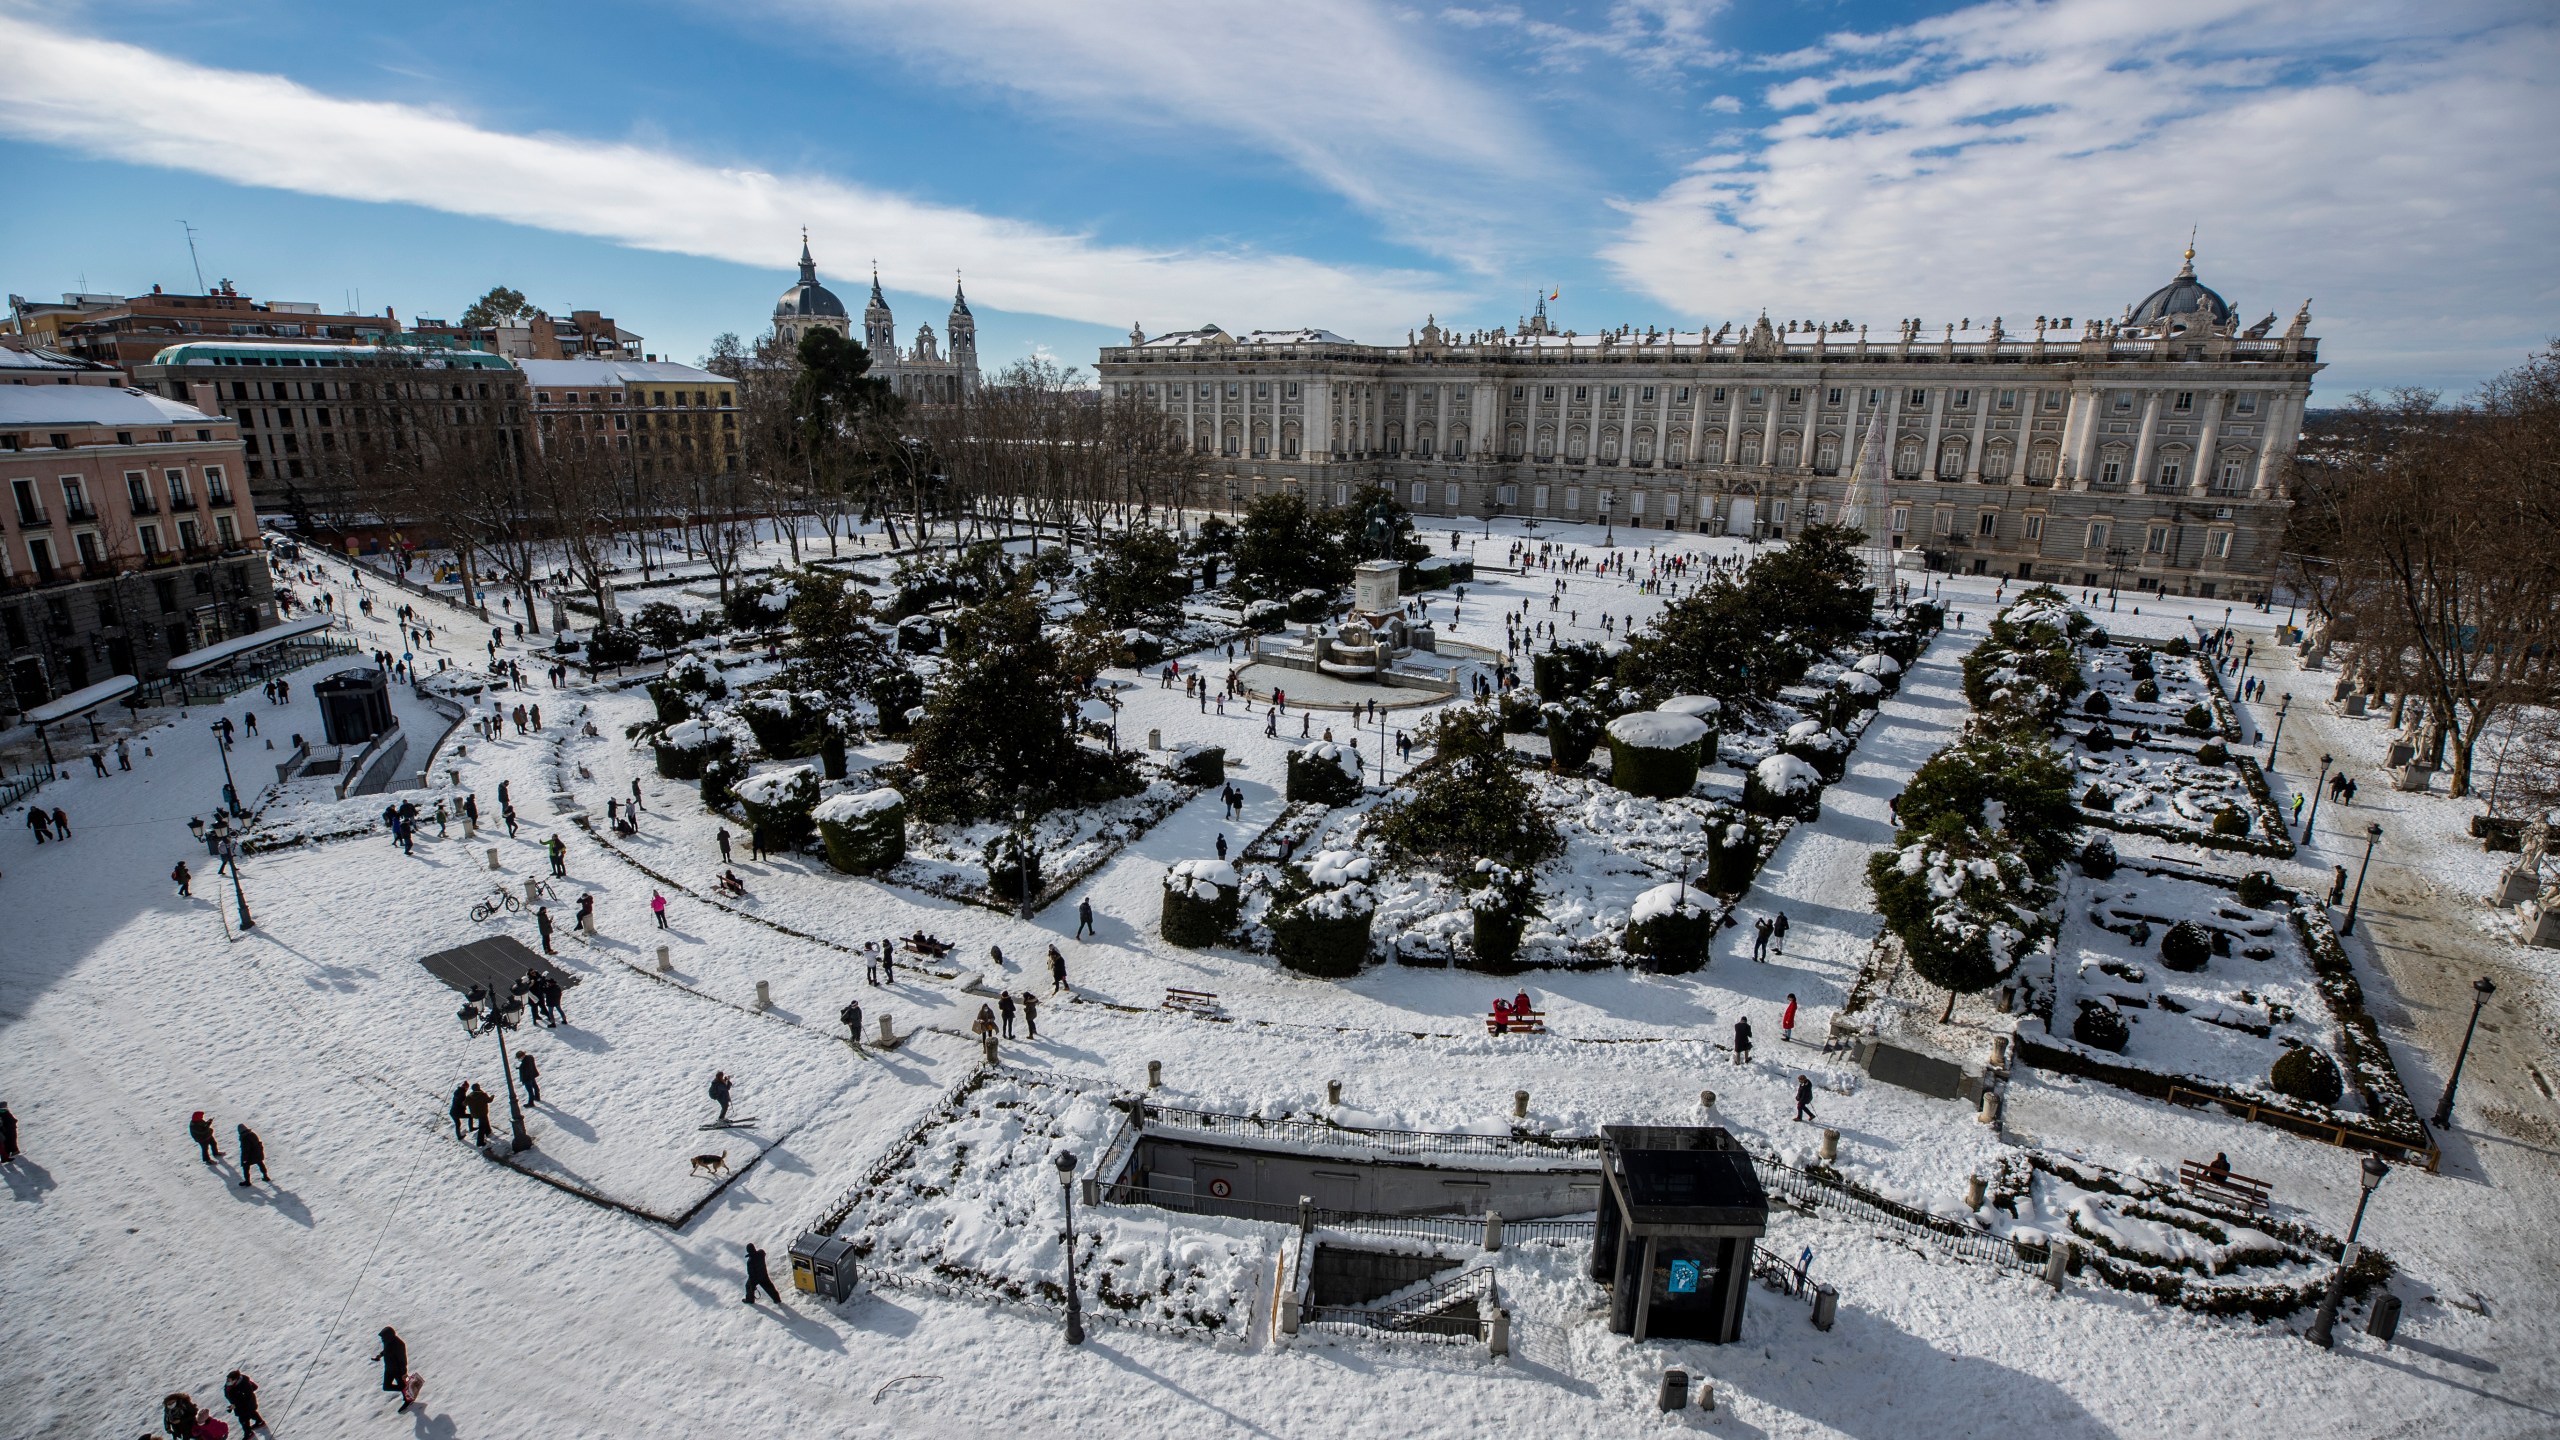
711, 1164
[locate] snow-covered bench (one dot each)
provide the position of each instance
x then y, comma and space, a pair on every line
1203, 1003
2200, 1179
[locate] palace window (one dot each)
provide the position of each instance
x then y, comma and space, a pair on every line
2157, 541
2170, 470
2185, 402
2008, 399
1759, 395
1918, 399
1508, 494
1682, 395
2232, 469
1834, 397
1826, 453
2097, 535
1944, 521
2035, 527
1901, 518
1613, 394
2110, 472
2053, 399
1795, 394
1449, 495
1581, 393
2246, 403
1519, 392
1573, 497
1987, 524
2124, 402
1717, 397
1421, 492
2221, 544
1964, 399
1547, 392
1647, 395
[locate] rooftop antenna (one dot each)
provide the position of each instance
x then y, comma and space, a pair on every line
191, 255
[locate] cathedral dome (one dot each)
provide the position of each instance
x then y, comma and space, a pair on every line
808, 299
2183, 296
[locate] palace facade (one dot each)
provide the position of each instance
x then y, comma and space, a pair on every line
2148, 451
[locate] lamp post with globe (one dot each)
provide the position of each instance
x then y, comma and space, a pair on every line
1066, 1163
482, 1012
2370, 1176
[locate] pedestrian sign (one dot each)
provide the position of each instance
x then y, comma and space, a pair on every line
1684, 1277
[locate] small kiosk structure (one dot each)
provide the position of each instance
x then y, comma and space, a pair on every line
1680, 1210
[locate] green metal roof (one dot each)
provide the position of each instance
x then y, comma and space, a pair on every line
286, 354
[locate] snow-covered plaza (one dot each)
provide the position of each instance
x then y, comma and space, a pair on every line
591, 1284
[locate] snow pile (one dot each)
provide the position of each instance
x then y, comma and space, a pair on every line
1670, 899
1203, 879
1341, 878
1878, 666
1342, 755
1860, 682
1656, 730
691, 735
1786, 775
1700, 706
845, 809
772, 787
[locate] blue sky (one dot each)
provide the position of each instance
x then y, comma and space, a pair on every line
1339, 163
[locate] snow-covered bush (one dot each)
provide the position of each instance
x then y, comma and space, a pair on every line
1325, 773
1783, 787
2100, 1026
2098, 858
1573, 732
2099, 740
613, 645
779, 802
1201, 898
2231, 820
2306, 1074
2213, 752
684, 748
2198, 719
1012, 863
864, 833
1503, 900
2147, 691
1200, 764
1320, 924
1656, 753
1820, 746
1964, 903
1858, 691
1733, 854
2098, 704
1521, 713
1266, 616
1310, 604
2186, 946
718, 776
787, 724
1568, 669
1670, 926
2258, 890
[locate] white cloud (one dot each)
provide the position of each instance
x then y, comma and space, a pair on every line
1726, 105
265, 130
2023, 158
1654, 38
1351, 93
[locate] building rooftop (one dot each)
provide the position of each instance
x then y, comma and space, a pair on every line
94, 405
286, 352
607, 371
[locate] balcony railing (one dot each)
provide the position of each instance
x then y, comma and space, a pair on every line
182, 503
79, 514
142, 504
31, 516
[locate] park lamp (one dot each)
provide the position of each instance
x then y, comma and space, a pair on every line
1066, 1163
195, 826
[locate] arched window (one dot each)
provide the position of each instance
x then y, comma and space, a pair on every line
1457, 442
1906, 460
2173, 466
1512, 442
1711, 450
2041, 461
2233, 472
1787, 451
1678, 453
1951, 462
1576, 445
1609, 447
1750, 452
1644, 447
1995, 463
1826, 453
1546, 444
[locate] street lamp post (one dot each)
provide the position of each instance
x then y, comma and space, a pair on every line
227, 847
2372, 837
1066, 1163
2481, 990
2317, 787
2370, 1175
480, 1011
2284, 706
230, 788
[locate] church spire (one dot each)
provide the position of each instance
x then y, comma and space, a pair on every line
875, 286
959, 295
808, 267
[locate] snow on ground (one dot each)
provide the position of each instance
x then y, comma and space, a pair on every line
533, 1311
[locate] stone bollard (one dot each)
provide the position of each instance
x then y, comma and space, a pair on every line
666, 964
1974, 1190
1155, 1074
493, 857
1830, 1146
532, 890
1155, 739
1519, 1104
1826, 1306
1999, 1052
1492, 1231
1990, 1107
1089, 1190
764, 994
1497, 1333
987, 1044
1288, 1314
1706, 1099
888, 1037
1333, 1092
1674, 1394
2057, 1263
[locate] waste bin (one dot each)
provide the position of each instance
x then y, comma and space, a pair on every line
822, 1265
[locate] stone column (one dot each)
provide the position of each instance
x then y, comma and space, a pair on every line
1851, 436
1937, 425
2142, 445
1662, 421
2079, 427
1218, 417
2283, 423
1733, 424
1981, 426
2207, 444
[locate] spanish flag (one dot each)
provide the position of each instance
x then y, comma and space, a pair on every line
1555, 294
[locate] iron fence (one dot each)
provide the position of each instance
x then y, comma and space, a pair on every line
1450, 1311
1815, 1193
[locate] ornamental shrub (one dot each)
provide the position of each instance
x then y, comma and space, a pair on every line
863, 834
1201, 765
1573, 732
2101, 1027
2213, 752
1733, 852
2147, 691
2177, 646
1670, 928
2099, 740
1201, 899
2186, 947
2097, 797
2306, 1074
1654, 754
2231, 820
2198, 718
1012, 863
778, 804
2258, 889
613, 645
2098, 704
2098, 859
1324, 773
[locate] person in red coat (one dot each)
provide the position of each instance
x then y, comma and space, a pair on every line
1787, 1022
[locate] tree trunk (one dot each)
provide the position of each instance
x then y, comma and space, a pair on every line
1948, 1015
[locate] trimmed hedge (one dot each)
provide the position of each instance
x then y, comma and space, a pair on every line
1573, 732
781, 815
2306, 1074
1733, 856
688, 762
1497, 942
2186, 947
1193, 919
1329, 947
1202, 765
868, 843
1661, 774
1317, 774
2100, 1026
1674, 943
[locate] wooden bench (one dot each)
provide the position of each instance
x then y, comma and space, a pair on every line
2203, 1180
1194, 1002
1516, 1022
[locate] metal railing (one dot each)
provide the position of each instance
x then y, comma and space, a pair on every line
1810, 1192
1459, 1228
1452, 1311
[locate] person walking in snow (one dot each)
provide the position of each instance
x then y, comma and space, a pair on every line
1004, 1007
1222, 846
1760, 939
183, 878
1804, 1097
479, 1102
241, 1393
1031, 1015
720, 1092
40, 822
180, 1416
559, 855
851, 1015
724, 845
1084, 918
1787, 1021
200, 1130
460, 1109
542, 922
8, 1134
394, 1356
658, 907
253, 1156
587, 914
553, 992
1742, 1041
758, 1276
984, 1027
529, 1075
1778, 933
1057, 971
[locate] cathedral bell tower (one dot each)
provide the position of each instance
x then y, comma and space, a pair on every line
962, 332
879, 332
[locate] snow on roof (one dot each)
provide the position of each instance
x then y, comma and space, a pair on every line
844, 809
1663, 900
576, 374
1654, 730
85, 698
1214, 335
94, 405
239, 645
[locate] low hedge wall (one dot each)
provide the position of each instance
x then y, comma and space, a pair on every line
866, 836
1327, 946
1319, 773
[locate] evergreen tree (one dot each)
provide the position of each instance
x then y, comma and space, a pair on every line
841, 653
1371, 525
503, 305
1962, 902
998, 722
1286, 546
2016, 772
1469, 802
1136, 578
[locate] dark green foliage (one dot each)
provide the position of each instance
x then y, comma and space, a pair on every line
2098, 858
2147, 691
1201, 765
1371, 525
684, 764
2177, 645
2101, 1026
1966, 941
2258, 890
1496, 947
996, 728
1521, 714
2231, 821
1136, 578
1805, 804
839, 650
2096, 639
2306, 1074
1504, 899
612, 645
2186, 947
2098, 704
1660, 774
2198, 719
1567, 670
2030, 782
1573, 732
2098, 796
831, 758
866, 844
1195, 921
2099, 740
1469, 802
745, 607
1320, 777
662, 625
1743, 640
1331, 947
1286, 545
1733, 854
2140, 665
781, 818
1311, 604
893, 694
2213, 752
786, 725
672, 704
1012, 863
1674, 943
717, 776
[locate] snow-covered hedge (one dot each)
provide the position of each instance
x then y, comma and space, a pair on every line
1321, 926
1200, 764
1783, 787
1503, 899
778, 803
787, 724
1326, 773
864, 833
1656, 753
1670, 927
685, 747
1820, 746
1200, 902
